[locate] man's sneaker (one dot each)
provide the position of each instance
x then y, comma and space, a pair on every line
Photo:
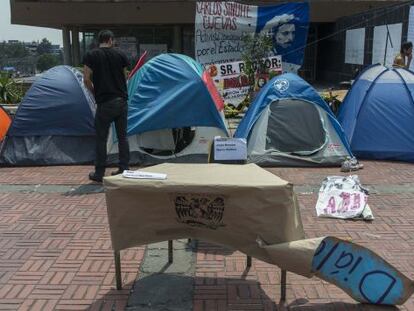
95, 177
349, 165
355, 163
117, 172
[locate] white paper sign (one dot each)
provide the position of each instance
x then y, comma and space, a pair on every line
410, 33
143, 175
386, 44
354, 46
230, 149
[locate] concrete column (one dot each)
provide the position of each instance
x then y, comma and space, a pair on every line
177, 40
75, 47
67, 55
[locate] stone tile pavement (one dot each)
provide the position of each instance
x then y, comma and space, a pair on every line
55, 249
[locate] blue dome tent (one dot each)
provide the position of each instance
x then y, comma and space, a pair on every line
54, 123
289, 124
173, 112
377, 114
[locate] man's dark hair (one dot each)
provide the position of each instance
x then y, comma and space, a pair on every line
405, 46
104, 36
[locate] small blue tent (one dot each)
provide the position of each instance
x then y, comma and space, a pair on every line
166, 93
377, 114
173, 112
289, 124
54, 123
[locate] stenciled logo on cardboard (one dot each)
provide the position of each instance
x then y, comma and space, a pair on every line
201, 210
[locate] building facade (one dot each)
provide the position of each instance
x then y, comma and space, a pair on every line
168, 25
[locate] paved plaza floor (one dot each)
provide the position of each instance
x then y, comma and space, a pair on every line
55, 248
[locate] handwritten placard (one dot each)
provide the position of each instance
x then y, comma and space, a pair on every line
343, 197
341, 204
361, 273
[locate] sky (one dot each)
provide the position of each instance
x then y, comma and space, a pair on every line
24, 33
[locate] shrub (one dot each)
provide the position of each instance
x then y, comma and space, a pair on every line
10, 92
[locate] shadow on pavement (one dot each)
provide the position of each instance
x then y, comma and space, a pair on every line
84, 190
164, 292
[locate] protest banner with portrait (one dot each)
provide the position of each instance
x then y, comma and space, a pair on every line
220, 27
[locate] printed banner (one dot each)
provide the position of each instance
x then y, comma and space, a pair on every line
233, 85
219, 27
235, 69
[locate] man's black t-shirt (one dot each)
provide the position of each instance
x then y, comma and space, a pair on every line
108, 75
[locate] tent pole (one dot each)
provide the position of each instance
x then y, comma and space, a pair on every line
386, 45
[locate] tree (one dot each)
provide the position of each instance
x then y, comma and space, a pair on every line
47, 61
13, 50
44, 47
256, 48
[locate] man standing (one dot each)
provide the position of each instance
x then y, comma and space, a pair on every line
105, 76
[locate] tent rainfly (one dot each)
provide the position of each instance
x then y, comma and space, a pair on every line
289, 124
54, 123
378, 112
174, 112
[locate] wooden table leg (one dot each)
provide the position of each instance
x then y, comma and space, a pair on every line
283, 285
170, 251
248, 261
118, 275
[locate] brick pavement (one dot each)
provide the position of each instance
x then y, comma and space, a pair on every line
55, 250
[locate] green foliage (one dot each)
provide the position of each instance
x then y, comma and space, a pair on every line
333, 102
79, 68
10, 92
232, 112
256, 47
44, 47
13, 50
47, 61
273, 74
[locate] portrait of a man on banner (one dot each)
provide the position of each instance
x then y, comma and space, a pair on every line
288, 27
